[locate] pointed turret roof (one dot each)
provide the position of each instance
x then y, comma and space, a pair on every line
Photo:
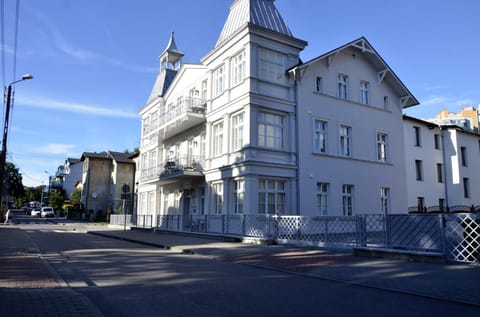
170, 61
262, 13
171, 52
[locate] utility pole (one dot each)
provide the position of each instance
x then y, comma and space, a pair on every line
3, 155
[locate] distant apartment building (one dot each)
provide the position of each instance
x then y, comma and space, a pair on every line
467, 118
70, 174
442, 166
103, 176
254, 130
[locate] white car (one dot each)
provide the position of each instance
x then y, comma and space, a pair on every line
47, 212
35, 212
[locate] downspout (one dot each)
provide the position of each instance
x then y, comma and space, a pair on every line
297, 146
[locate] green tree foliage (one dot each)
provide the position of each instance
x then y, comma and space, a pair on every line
14, 181
56, 198
75, 196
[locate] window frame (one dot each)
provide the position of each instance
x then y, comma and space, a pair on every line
364, 92
239, 68
322, 198
382, 147
345, 140
265, 126
466, 187
271, 65
320, 135
238, 191
318, 84
273, 196
217, 138
419, 170
219, 80
418, 137
385, 200
342, 86
348, 199
238, 121
217, 198
464, 156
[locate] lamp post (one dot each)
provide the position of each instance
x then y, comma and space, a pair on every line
3, 154
48, 187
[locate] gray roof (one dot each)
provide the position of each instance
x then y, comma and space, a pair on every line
119, 157
262, 13
164, 79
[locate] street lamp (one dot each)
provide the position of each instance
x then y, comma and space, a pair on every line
48, 186
3, 154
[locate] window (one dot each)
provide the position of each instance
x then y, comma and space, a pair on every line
203, 93
238, 68
417, 136
463, 153
382, 147
319, 84
365, 92
419, 170
322, 196
440, 172
238, 195
421, 204
219, 80
146, 125
441, 204
385, 200
343, 86
217, 197
345, 141
270, 130
271, 196
218, 138
319, 136
347, 200
385, 102
466, 187
436, 141
237, 131
272, 65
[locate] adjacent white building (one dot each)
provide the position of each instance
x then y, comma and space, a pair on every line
253, 130
442, 166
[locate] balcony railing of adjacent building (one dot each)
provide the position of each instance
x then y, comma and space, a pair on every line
180, 164
189, 105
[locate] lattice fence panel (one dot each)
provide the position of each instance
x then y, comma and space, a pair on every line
259, 226
416, 232
375, 230
462, 233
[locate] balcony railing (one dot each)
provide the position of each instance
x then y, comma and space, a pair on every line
188, 105
181, 164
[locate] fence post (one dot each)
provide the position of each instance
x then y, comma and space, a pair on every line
361, 230
442, 224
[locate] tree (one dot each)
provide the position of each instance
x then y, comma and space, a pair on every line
56, 198
75, 196
14, 182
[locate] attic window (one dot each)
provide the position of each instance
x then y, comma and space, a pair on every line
319, 84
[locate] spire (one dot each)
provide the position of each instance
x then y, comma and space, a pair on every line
171, 58
262, 13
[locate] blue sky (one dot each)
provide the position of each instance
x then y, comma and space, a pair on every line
95, 61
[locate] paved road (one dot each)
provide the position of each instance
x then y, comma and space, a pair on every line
119, 278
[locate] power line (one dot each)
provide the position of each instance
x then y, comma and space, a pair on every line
17, 17
2, 18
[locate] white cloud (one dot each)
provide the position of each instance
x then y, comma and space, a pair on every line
56, 148
47, 103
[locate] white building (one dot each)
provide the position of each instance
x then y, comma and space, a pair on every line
442, 166
252, 130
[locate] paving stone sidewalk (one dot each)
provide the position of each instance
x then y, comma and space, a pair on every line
28, 285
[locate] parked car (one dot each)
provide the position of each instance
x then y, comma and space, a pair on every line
35, 212
27, 210
47, 212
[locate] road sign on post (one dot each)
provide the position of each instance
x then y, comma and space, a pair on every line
125, 196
